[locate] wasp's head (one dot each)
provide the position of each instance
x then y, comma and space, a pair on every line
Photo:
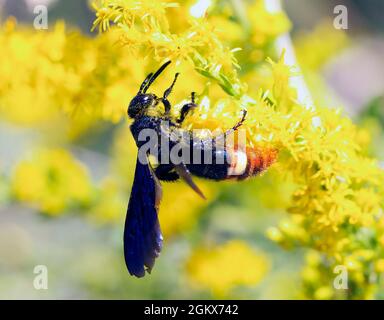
143, 100
140, 104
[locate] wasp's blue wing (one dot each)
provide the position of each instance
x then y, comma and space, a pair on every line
142, 235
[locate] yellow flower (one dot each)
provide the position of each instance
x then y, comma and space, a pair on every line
379, 265
84, 78
52, 181
265, 26
224, 267
324, 293
316, 47
198, 43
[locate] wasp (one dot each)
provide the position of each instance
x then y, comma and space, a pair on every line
142, 234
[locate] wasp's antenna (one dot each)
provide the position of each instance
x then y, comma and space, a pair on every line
147, 83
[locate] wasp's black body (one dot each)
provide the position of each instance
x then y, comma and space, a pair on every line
215, 170
142, 236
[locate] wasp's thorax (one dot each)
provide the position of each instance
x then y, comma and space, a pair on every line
140, 104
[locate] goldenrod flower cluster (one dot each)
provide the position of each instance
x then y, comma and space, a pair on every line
224, 267
52, 181
85, 78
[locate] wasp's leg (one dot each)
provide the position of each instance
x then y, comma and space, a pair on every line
186, 108
237, 125
222, 137
166, 103
169, 90
165, 172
